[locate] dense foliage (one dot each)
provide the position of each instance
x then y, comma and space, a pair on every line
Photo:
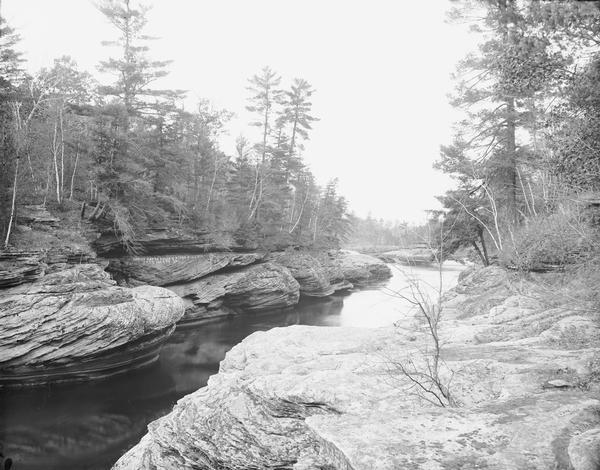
132, 153
525, 156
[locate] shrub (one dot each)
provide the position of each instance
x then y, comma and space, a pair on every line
552, 241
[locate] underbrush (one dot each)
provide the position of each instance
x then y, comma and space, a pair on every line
560, 254
67, 231
552, 242
573, 287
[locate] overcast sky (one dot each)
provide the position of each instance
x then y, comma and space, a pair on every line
381, 69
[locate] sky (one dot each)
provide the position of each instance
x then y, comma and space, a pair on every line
381, 70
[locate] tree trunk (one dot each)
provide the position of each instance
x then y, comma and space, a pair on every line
212, 185
74, 171
316, 221
510, 164
12, 206
254, 192
479, 253
55, 160
301, 211
62, 156
293, 139
486, 259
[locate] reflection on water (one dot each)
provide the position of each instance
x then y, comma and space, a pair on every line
89, 426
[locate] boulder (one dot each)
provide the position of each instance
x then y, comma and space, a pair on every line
332, 268
479, 289
265, 286
76, 324
165, 270
356, 268
310, 274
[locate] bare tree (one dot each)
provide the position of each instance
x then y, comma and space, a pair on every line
423, 374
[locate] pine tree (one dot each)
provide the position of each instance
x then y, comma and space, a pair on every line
296, 111
132, 121
264, 95
501, 89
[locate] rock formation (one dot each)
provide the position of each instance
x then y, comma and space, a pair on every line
355, 268
19, 268
222, 283
260, 287
310, 274
163, 240
173, 269
76, 324
315, 397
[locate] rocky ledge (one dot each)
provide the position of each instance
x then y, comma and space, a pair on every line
334, 398
260, 287
176, 269
76, 324
223, 283
352, 267
409, 256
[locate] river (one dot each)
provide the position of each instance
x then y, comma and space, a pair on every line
89, 426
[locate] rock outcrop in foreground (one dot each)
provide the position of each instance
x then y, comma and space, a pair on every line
333, 398
76, 324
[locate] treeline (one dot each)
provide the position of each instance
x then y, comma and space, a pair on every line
372, 232
132, 153
526, 156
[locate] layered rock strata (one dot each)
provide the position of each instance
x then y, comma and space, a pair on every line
224, 283
177, 269
312, 398
310, 274
260, 287
77, 324
354, 268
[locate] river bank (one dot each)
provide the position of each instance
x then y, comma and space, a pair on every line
306, 397
90, 425
73, 314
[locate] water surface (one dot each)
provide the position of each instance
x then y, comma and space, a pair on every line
89, 426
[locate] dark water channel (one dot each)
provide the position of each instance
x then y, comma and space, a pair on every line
89, 426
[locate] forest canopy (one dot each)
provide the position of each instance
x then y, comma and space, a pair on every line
525, 156
137, 159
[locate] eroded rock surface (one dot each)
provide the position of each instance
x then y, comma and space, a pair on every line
308, 271
260, 287
314, 398
479, 290
20, 268
172, 269
352, 267
76, 324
